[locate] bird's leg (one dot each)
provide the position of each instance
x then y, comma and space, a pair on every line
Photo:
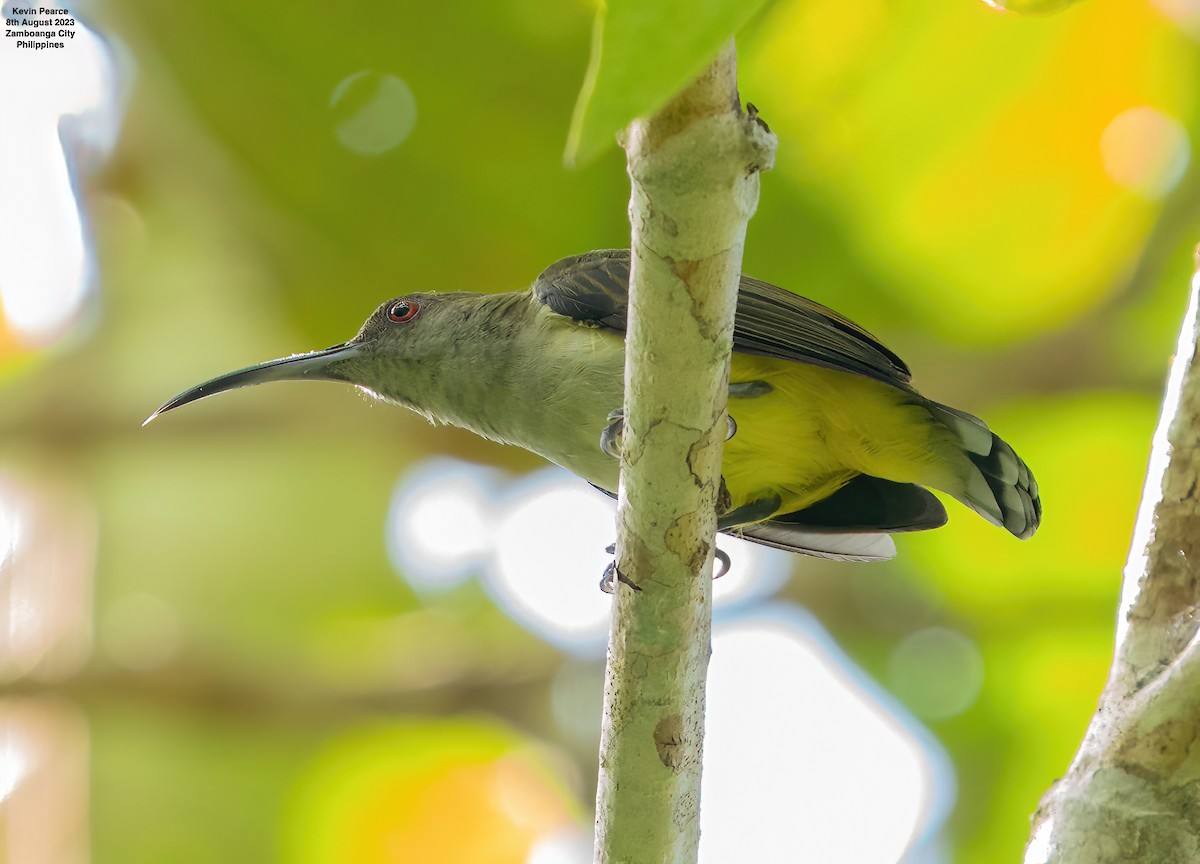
749, 389
724, 501
610, 438
612, 574
610, 443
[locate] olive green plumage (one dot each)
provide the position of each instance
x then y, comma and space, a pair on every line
833, 444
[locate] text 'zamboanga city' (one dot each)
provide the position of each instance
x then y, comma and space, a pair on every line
39, 27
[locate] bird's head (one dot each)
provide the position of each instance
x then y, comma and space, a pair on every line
392, 345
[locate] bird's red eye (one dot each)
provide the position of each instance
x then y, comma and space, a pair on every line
403, 310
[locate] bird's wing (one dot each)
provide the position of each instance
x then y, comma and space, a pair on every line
594, 288
852, 524
834, 547
831, 529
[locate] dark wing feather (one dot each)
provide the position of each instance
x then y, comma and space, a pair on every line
853, 523
870, 504
594, 288
853, 544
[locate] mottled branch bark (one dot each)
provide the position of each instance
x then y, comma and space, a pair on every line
1133, 792
694, 172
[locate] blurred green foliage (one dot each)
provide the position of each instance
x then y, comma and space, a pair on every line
946, 176
1033, 7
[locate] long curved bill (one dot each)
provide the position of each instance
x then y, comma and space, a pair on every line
313, 366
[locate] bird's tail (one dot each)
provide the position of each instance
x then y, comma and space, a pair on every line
998, 485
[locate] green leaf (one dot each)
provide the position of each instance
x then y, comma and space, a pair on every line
642, 54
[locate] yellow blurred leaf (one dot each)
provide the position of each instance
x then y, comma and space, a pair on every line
454, 792
982, 197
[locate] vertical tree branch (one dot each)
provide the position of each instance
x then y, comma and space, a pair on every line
694, 173
1133, 792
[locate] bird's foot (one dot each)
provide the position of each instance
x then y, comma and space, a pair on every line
723, 559
724, 500
612, 574
610, 438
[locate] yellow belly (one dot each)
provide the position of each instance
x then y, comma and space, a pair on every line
818, 428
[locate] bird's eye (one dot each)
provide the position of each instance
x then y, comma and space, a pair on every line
403, 310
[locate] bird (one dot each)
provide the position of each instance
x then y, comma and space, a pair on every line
832, 450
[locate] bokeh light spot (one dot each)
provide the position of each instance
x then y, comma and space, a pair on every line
43, 781
1145, 151
47, 549
14, 762
437, 524
1185, 13
45, 264
573, 846
937, 672
10, 531
755, 571
374, 112
825, 744
539, 544
548, 558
